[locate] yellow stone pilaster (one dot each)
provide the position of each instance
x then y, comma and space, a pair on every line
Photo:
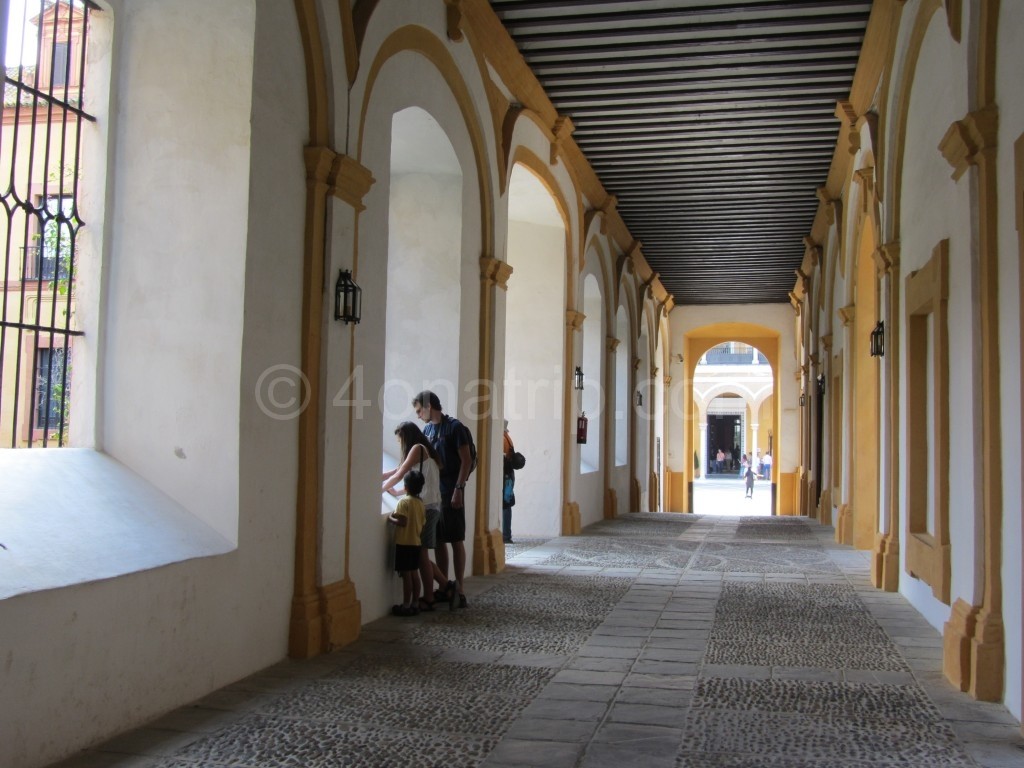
571, 524
488, 546
973, 143
342, 615
611, 504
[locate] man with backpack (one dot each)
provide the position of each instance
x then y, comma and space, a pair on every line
451, 440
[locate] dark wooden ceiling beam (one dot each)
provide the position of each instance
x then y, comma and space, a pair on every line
713, 123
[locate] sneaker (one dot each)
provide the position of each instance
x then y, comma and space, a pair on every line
451, 594
462, 602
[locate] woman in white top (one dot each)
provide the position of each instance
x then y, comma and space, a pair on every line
420, 455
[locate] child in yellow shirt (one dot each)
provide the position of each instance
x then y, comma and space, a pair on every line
408, 519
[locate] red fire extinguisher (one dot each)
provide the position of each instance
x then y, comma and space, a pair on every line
581, 428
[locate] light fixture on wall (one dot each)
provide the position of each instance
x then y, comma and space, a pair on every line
348, 303
803, 399
821, 385
579, 378
878, 340
639, 398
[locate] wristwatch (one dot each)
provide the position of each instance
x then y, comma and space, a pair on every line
460, 486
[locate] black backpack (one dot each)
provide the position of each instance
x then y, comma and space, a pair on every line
472, 450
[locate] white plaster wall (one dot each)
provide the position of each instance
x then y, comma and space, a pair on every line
177, 260
620, 398
620, 478
593, 398
932, 208
423, 295
642, 434
534, 380
188, 628
588, 487
1011, 128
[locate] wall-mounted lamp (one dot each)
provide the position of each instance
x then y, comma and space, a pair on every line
639, 398
579, 378
878, 340
678, 357
348, 303
803, 399
821, 385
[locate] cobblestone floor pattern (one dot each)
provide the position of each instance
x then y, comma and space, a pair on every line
651, 640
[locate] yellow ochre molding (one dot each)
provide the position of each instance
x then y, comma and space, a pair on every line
608, 209
574, 319
342, 615
954, 16
454, 19
495, 272
847, 115
349, 181
966, 139
560, 132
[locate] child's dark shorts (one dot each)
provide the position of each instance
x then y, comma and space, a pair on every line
407, 557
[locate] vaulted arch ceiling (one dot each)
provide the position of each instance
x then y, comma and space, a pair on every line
712, 122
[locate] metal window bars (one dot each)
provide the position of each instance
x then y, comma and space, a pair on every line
40, 169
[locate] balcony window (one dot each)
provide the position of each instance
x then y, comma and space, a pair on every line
53, 382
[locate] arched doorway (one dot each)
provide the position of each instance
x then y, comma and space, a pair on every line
534, 378
733, 393
713, 350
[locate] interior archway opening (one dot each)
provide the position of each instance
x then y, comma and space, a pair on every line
733, 390
534, 375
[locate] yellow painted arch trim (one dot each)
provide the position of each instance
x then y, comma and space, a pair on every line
527, 158
922, 22
422, 41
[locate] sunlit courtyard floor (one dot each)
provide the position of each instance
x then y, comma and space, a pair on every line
650, 641
727, 495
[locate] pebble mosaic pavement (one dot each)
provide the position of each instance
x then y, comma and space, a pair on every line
651, 640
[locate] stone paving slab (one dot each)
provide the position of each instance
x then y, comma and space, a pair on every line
651, 640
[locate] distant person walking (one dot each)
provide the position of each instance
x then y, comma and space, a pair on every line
749, 475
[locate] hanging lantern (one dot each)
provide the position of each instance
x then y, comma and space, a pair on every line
878, 340
347, 299
579, 378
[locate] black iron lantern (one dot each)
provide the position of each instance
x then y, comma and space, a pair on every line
803, 399
639, 398
348, 304
579, 378
878, 340
821, 384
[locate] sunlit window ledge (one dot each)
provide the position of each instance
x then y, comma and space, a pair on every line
71, 516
